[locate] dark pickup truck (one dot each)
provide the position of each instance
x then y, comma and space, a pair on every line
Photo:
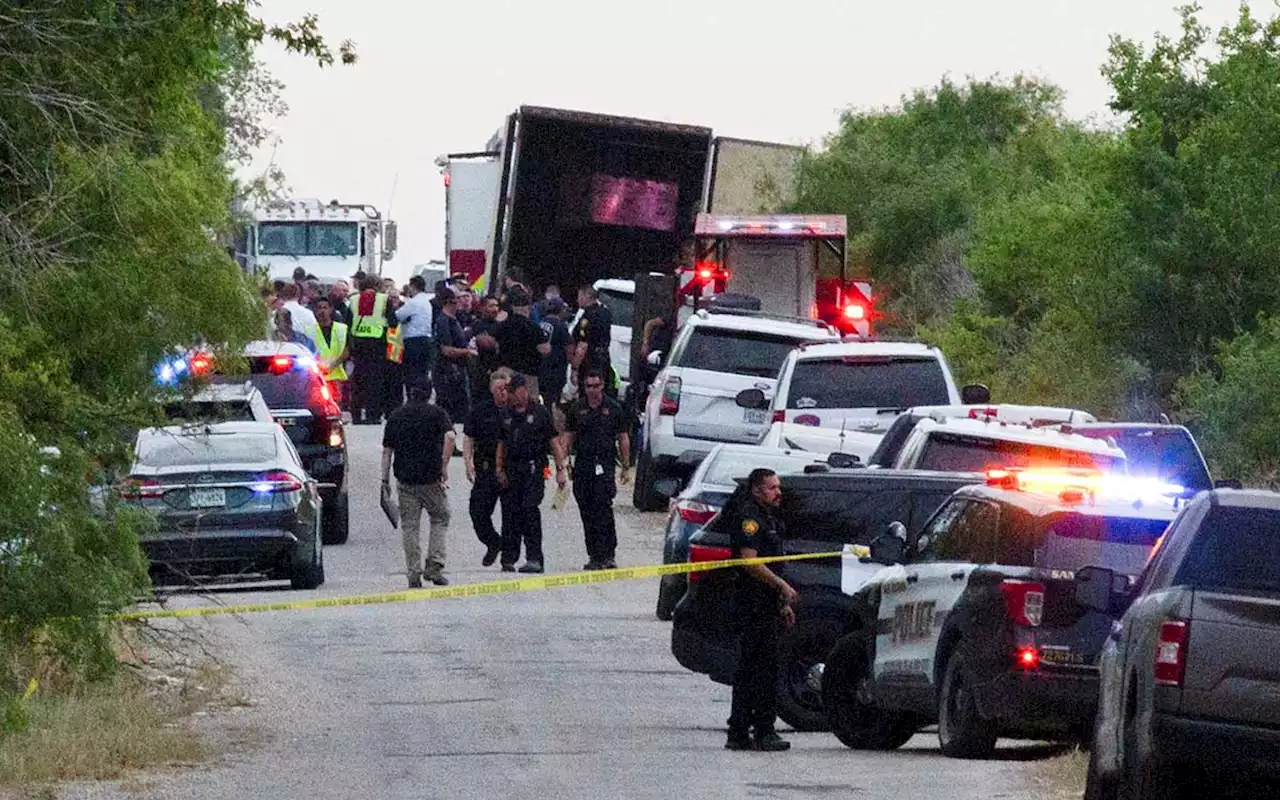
1191, 673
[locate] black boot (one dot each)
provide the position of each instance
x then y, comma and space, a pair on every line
771, 742
738, 740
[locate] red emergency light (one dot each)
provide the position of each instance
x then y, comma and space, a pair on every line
855, 311
200, 364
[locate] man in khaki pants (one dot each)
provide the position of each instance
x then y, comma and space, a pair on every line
419, 439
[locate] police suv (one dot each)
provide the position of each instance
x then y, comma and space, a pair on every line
973, 623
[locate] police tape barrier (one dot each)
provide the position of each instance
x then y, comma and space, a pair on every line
532, 584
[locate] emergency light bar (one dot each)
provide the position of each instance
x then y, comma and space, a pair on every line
822, 226
1073, 485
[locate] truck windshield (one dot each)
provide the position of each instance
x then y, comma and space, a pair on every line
893, 382
308, 239
735, 352
952, 453
1235, 548
621, 306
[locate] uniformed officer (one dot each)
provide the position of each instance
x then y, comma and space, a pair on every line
596, 428
592, 335
766, 603
527, 433
480, 453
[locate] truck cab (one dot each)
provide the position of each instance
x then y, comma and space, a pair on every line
326, 239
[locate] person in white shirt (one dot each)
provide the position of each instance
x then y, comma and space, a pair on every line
303, 319
416, 316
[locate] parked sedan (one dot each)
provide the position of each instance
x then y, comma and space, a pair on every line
708, 489
229, 499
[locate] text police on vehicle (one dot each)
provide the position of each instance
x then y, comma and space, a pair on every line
973, 622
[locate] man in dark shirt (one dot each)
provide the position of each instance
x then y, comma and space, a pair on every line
419, 439
554, 371
766, 603
521, 345
592, 334
451, 364
480, 452
527, 433
596, 428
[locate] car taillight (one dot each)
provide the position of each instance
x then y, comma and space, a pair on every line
335, 436
140, 490
779, 416
279, 365
277, 482
329, 405
1171, 652
695, 512
701, 553
670, 398
1023, 601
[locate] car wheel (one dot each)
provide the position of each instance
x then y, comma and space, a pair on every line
644, 498
962, 731
851, 713
670, 589
336, 520
309, 574
802, 655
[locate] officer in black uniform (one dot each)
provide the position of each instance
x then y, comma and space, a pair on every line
480, 453
766, 603
592, 334
527, 433
596, 428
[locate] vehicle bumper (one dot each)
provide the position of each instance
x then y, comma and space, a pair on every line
327, 465
700, 653
1216, 744
1041, 703
220, 551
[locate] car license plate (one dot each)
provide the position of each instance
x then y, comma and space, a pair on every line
753, 416
286, 421
207, 498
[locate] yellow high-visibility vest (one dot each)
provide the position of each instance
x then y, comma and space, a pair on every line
329, 352
395, 345
372, 326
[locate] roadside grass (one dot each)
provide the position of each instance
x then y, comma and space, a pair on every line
1062, 777
138, 720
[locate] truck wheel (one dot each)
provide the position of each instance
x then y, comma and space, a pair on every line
309, 574
670, 590
802, 656
644, 497
851, 712
336, 520
962, 731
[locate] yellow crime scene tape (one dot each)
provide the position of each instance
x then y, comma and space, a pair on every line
532, 584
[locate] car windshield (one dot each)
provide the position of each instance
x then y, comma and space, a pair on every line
736, 352
1169, 455
728, 467
954, 453
308, 239
167, 449
621, 306
890, 382
1235, 549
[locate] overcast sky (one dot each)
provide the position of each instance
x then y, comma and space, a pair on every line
438, 76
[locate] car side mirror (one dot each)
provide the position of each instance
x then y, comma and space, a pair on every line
1102, 590
843, 460
887, 550
390, 240
751, 398
975, 394
1228, 483
655, 358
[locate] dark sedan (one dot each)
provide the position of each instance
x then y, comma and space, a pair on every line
230, 500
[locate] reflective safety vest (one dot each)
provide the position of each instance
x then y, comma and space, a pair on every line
395, 345
329, 352
615, 377
372, 326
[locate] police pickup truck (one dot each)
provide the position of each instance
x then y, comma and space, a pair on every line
973, 622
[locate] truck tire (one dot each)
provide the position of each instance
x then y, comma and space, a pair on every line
309, 574
851, 714
670, 589
336, 520
802, 654
644, 498
962, 731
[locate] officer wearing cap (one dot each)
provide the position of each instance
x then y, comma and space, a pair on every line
766, 604
527, 433
596, 429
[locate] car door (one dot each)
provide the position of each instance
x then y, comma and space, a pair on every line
960, 537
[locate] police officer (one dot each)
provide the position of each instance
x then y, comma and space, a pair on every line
592, 335
527, 433
596, 428
480, 454
766, 603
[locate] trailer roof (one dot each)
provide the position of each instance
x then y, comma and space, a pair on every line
590, 118
801, 226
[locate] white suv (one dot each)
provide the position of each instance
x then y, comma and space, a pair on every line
693, 404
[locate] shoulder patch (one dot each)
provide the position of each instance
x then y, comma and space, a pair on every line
750, 527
